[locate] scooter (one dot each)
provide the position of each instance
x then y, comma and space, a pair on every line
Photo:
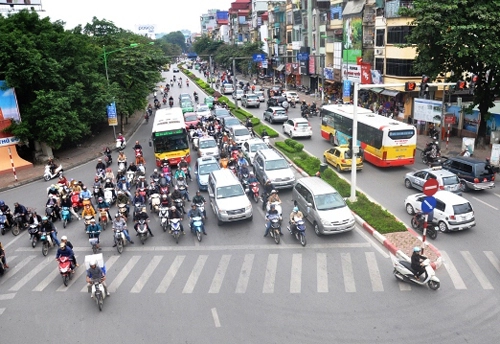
93, 243
142, 230
48, 175
275, 229
47, 242
3, 223
196, 227
404, 272
122, 210
163, 214
175, 228
277, 206
98, 293
103, 218
300, 231
51, 213
66, 216
100, 173
155, 202
108, 196
417, 222
120, 239
65, 269
130, 177
34, 234
120, 145
254, 188
179, 204
201, 206
108, 159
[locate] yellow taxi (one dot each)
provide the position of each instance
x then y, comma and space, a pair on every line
340, 157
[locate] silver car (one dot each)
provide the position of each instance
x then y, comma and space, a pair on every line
447, 180
238, 94
260, 95
227, 88
207, 146
248, 100
251, 147
275, 114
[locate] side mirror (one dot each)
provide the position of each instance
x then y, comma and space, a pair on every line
309, 205
150, 144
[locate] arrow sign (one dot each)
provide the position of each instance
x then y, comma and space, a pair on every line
428, 204
431, 186
258, 57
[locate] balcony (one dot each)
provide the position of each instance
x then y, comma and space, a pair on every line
392, 7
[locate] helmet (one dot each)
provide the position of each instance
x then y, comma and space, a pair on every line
155, 170
197, 192
251, 173
108, 180
295, 209
272, 207
93, 263
100, 160
62, 245
2, 203
141, 177
416, 249
273, 192
176, 188
92, 220
100, 199
120, 192
84, 187
163, 196
45, 218
117, 215
64, 238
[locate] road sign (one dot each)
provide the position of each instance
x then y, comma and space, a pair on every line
431, 186
428, 204
449, 119
302, 56
111, 111
258, 57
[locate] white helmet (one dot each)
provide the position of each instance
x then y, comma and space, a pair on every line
93, 263
64, 237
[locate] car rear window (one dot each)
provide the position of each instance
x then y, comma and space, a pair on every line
207, 168
302, 124
241, 132
280, 112
231, 121
462, 208
208, 144
451, 180
191, 118
252, 97
257, 147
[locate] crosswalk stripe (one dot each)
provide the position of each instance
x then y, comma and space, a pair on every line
169, 276
322, 273
219, 274
9, 296
123, 273
458, 282
296, 273
43, 284
493, 260
195, 274
2, 310
14, 270
476, 270
246, 270
74, 278
30, 275
374, 272
146, 274
347, 271
270, 277
111, 260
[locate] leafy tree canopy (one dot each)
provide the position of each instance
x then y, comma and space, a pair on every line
176, 38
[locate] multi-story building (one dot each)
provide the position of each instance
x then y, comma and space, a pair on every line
239, 14
221, 30
259, 15
208, 22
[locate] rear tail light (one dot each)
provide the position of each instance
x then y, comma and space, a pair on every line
452, 217
343, 161
476, 180
441, 187
492, 178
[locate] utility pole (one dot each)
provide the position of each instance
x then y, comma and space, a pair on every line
234, 80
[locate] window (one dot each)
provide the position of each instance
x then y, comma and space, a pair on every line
380, 39
398, 34
379, 65
289, 16
321, 41
329, 201
289, 37
400, 67
336, 11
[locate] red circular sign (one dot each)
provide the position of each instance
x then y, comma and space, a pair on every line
431, 186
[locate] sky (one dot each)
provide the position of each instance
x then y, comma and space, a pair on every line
167, 15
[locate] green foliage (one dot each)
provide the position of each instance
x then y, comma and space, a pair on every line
176, 38
297, 147
284, 147
255, 121
270, 131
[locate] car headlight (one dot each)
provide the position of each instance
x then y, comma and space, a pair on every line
248, 208
325, 222
223, 212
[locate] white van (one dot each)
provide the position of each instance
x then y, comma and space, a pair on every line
322, 206
227, 197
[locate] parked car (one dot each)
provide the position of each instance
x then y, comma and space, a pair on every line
452, 212
248, 100
275, 114
297, 127
237, 94
227, 88
473, 174
340, 157
204, 166
447, 180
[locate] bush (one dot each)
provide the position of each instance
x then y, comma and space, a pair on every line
258, 130
299, 147
255, 121
290, 142
284, 146
301, 155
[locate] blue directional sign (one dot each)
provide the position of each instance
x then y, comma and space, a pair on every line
428, 204
302, 56
346, 89
111, 111
259, 57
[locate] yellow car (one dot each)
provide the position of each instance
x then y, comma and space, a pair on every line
340, 158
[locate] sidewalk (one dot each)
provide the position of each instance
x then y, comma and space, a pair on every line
75, 156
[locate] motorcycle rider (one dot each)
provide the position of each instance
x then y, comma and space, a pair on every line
195, 95
98, 184
139, 160
199, 199
183, 188
138, 200
268, 188
123, 198
143, 215
100, 166
176, 194
109, 185
119, 222
94, 231
137, 146
179, 173
195, 212
124, 185
52, 165
88, 211
174, 213
65, 251
21, 210
48, 227
107, 152
102, 205
2, 256
243, 171
416, 261
224, 161
121, 138
271, 213
122, 158
64, 240
53, 202
165, 201
251, 179
155, 176
110, 175
96, 273
295, 215
264, 133
66, 202
85, 193
62, 181
132, 167
142, 183
249, 126
183, 164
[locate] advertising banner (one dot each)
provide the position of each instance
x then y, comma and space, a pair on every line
346, 90
112, 117
312, 65
351, 72
9, 112
328, 73
427, 110
366, 75
352, 39
21, 2
147, 30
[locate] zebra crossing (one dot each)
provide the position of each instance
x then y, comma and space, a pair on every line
256, 272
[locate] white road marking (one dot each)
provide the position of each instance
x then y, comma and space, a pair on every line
347, 271
487, 204
30, 275
14, 270
374, 272
50, 277
246, 269
9, 296
169, 276
219, 274
296, 273
476, 270
2, 310
493, 260
195, 274
146, 274
73, 279
13, 241
123, 274
370, 239
216, 317
458, 282
111, 260
270, 277
321, 273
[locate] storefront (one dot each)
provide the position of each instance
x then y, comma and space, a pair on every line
333, 88
292, 73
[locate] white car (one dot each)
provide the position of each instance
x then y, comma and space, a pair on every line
291, 96
251, 147
203, 111
238, 94
261, 96
297, 127
239, 134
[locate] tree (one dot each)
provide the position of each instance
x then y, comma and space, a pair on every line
170, 50
176, 38
459, 37
204, 45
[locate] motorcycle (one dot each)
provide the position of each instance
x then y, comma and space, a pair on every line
137, 209
103, 218
120, 240
65, 269
130, 177
97, 191
164, 101
86, 221
48, 175
429, 160
196, 98
164, 190
142, 230
66, 216
93, 243
196, 227
100, 173
3, 223
163, 214
35, 235
300, 231
404, 272
277, 206
143, 193
266, 140
98, 293
47, 243
76, 202
201, 206
417, 222
109, 196
179, 204
275, 229
155, 202
175, 228
254, 188
137, 151
18, 224
51, 213
186, 173
171, 103
120, 145
108, 159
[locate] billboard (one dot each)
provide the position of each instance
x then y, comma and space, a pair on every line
427, 110
352, 39
21, 2
9, 112
146, 30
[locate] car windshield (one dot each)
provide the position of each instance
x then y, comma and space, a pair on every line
191, 118
207, 168
329, 201
292, 94
252, 97
259, 93
220, 111
462, 208
302, 124
231, 121
230, 191
208, 144
451, 180
241, 132
257, 147
348, 154
187, 105
278, 164
203, 108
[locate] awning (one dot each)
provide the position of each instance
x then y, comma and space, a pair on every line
390, 93
353, 7
376, 90
280, 67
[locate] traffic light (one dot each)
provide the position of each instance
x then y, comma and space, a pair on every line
472, 83
460, 85
410, 86
424, 87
